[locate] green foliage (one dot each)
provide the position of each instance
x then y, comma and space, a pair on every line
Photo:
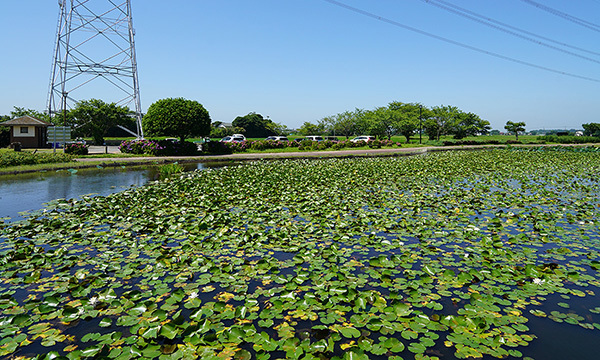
95, 117
311, 129
569, 139
220, 132
515, 128
591, 129
176, 117
4, 132
19, 111
17, 158
341, 259
76, 149
169, 170
255, 125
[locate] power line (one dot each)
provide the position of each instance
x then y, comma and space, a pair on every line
576, 20
505, 28
500, 56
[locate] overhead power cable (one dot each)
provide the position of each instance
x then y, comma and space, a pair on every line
508, 29
576, 20
500, 56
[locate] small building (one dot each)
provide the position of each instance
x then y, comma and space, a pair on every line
29, 131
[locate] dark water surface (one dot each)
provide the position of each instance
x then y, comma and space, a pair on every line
29, 192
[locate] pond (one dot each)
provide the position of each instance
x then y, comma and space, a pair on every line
449, 256
29, 192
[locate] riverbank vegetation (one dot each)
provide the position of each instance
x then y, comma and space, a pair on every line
10, 158
453, 254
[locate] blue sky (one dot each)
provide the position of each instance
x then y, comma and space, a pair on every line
302, 60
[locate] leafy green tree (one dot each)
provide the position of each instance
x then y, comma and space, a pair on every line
382, 121
407, 115
19, 111
440, 121
515, 128
177, 117
469, 124
4, 131
94, 117
309, 128
591, 129
255, 125
220, 132
280, 129
345, 123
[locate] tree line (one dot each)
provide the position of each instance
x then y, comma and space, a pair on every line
405, 119
182, 118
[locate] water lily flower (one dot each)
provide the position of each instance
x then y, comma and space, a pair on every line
193, 295
538, 281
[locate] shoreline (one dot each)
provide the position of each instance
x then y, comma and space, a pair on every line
90, 162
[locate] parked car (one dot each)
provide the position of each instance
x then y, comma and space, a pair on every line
311, 137
331, 138
364, 138
277, 138
234, 138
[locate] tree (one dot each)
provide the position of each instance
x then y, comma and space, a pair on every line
4, 131
441, 121
407, 115
177, 117
469, 124
345, 123
591, 129
255, 125
94, 117
515, 128
382, 121
19, 111
309, 128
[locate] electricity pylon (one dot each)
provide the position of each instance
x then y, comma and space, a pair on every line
94, 56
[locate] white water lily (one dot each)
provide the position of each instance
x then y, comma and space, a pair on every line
194, 295
538, 281
93, 301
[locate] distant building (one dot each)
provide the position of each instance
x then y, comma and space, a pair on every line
28, 131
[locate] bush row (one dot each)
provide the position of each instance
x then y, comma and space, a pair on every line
158, 147
569, 139
17, 158
168, 148
480, 142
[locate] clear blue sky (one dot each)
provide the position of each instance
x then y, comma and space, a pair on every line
302, 60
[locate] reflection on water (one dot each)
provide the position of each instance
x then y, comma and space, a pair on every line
29, 192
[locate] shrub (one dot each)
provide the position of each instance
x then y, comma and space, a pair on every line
216, 148
139, 147
158, 147
76, 149
569, 139
14, 158
175, 148
237, 147
375, 144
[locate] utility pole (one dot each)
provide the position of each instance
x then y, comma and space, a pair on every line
420, 123
94, 57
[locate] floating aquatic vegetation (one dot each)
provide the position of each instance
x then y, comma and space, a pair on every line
436, 256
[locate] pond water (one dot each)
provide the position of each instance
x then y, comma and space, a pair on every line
24, 193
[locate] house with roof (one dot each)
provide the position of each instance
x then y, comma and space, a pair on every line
29, 131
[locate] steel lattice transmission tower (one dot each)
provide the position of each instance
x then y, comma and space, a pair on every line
94, 44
